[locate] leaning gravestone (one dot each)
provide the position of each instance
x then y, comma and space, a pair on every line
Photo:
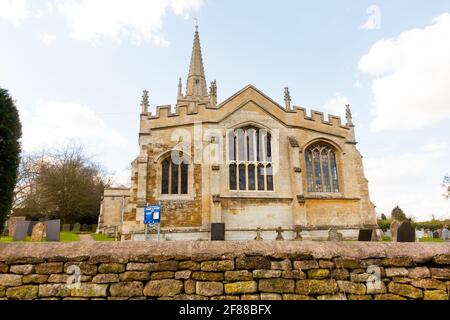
66, 228
12, 222
365, 235
334, 235
53, 228
394, 228
76, 227
406, 232
20, 230
30, 227
38, 232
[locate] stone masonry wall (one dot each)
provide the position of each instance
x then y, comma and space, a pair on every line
263, 270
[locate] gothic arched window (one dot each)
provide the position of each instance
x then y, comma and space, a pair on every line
321, 168
174, 175
250, 159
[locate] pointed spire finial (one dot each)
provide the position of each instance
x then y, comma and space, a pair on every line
287, 98
348, 115
145, 102
196, 82
213, 93
180, 88
196, 24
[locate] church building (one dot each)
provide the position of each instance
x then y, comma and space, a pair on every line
247, 164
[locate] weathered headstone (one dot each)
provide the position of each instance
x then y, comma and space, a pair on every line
445, 234
65, 228
334, 235
12, 222
298, 236
419, 234
430, 234
38, 232
52, 228
94, 228
279, 234
365, 235
85, 228
394, 228
20, 230
258, 235
436, 235
406, 232
30, 227
76, 227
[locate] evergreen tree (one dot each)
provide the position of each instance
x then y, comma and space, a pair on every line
383, 216
398, 214
10, 134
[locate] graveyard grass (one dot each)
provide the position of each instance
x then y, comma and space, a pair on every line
64, 237
101, 237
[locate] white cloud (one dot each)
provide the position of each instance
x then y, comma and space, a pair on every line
48, 39
408, 180
336, 105
54, 124
14, 11
411, 77
93, 20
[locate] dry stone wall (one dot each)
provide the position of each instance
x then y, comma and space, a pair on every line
225, 270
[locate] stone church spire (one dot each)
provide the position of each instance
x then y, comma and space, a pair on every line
196, 82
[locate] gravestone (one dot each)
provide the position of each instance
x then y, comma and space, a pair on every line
436, 235
279, 234
94, 228
420, 234
406, 232
85, 228
365, 235
258, 235
53, 228
20, 230
298, 236
30, 227
12, 222
334, 235
430, 234
217, 231
445, 234
394, 228
38, 232
76, 227
65, 228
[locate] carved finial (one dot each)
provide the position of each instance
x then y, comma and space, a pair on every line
196, 24
348, 115
180, 88
213, 93
144, 103
287, 98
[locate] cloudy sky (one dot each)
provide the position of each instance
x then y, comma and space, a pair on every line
77, 69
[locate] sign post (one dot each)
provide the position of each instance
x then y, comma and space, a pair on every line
152, 216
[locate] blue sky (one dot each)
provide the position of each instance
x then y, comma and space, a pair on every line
77, 69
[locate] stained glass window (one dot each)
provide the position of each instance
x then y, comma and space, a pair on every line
321, 168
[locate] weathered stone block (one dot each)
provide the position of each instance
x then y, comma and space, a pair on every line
371, 262
289, 296
252, 262
316, 287
396, 272
193, 297
435, 295
352, 288
281, 265
126, 289
24, 260
293, 274
134, 266
359, 277
163, 288
22, 293
277, 285
402, 279
429, 284
106, 278
54, 290
405, 290
162, 275
305, 264
318, 274
388, 296
190, 265
49, 268
111, 268
241, 287
85, 268
22, 269
219, 265
326, 264
258, 274
35, 278
189, 286
376, 287
209, 289
359, 297
135, 276
170, 265
184, 274
440, 273
207, 276
90, 290
347, 263
3, 267
10, 280
340, 274
337, 296
226, 298
240, 275
419, 272
442, 259
398, 262
250, 297
270, 296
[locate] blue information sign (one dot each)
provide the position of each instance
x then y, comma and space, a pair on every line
152, 214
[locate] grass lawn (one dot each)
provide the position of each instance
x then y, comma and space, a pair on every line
101, 237
430, 240
64, 237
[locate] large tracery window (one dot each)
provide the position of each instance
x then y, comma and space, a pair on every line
321, 168
250, 159
174, 175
